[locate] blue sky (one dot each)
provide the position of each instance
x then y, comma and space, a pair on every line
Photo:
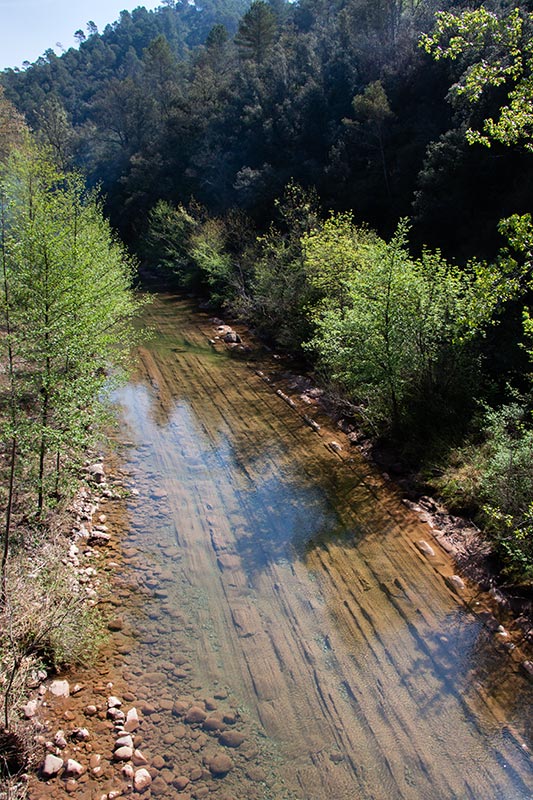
29, 27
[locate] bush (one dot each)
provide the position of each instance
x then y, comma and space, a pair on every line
506, 488
45, 623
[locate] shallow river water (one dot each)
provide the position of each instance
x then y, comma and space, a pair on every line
283, 579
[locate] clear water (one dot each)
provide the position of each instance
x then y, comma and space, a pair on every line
287, 579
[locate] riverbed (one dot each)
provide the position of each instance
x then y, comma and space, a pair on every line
281, 578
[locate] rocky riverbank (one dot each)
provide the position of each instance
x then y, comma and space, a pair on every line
120, 728
151, 718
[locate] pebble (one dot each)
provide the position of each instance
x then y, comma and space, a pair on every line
60, 740
527, 666
113, 702
231, 739
142, 780
195, 714
59, 688
139, 759
51, 766
213, 724
455, 582
158, 786
220, 764
30, 709
425, 548
256, 774
74, 769
123, 754
132, 720
128, 772
81, 734
95, 760
124, 741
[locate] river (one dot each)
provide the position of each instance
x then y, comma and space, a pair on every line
283, 579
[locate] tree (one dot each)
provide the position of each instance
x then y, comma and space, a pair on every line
12, 127
56, 131
257, 31
68, 306
403, 335
281, 290
495, 52
372, 112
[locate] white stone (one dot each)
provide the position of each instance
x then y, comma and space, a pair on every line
59, 688
128, 772
30, 709
74, 769
455, 582
138, 759
124, 741
425, 548
81, 734
113, 702
60, 740
123, 754
142, 780
51, 766
132, 720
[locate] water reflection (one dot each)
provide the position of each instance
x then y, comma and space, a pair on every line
309, 597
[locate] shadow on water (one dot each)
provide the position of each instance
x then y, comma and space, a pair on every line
335, 615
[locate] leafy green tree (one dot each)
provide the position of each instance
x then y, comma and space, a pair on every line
403, 335
281, 290
257, 31
66, 292
12, 127
333, 254
372, 114
168, 239
495, 51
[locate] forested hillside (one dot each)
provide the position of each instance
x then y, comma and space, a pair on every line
335, 95
354, 178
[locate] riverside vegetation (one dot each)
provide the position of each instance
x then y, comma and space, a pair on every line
66, 308
221, 135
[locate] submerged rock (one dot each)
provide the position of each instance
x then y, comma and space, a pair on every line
231, 739
142, 780
455, 583
220, 764
425, 548
195, 714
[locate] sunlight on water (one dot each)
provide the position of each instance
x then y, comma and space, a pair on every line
296, 587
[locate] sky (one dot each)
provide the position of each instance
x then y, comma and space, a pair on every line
29, 27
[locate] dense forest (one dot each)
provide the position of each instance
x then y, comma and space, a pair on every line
353, 179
